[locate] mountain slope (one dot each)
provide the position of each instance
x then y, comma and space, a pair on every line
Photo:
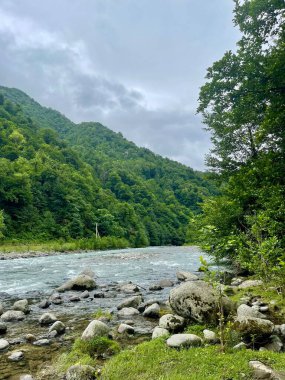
135, 194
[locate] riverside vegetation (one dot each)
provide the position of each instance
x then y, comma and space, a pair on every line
243, 106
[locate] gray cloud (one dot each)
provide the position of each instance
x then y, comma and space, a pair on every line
134, 66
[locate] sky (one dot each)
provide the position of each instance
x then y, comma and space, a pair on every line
136, 66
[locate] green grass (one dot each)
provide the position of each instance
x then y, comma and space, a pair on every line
101, 313
64, 246
154, 360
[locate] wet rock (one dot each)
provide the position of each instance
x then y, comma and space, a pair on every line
16, 356
210, 337
74, 299
197, 300
152, 311
1, 309
42, 342
134, 301
52, 334
128, 312
12, 316
99, 295
95, 328
47, 319
165, 283
56, 299
85, 294
184, 340
81, 282
245, 311
80, 372
129, 288
22, 305
44, 304
261, 371
155, 287
257, 327
3, 344
30, 338
58, 326
250, 284
172, 322
159, 332
3, 328
144, 305
186, 276
124, 328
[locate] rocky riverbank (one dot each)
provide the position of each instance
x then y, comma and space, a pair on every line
36, 332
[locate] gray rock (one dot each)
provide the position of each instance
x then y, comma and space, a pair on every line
80, 372
30, 338
47, 319
250, 284
12, 316
184, 340
44, 304
129, 288
52, 334
81, 282
240, 346
172, 322
152, 311
275, 344
264, 309
186, 276
22, 305
236, 281
3, 344
56, 299
1, 309
130, 302
85, 294
245, 311
98, 295
95, 328
58, 326
155, 287
74, 299
124, 328
159, 332
210, 337
41, 342
88, 272
165, 283
3, 328
282, 330
197, 300
257, 327
261, 371
26, 377
128, 312
16, 356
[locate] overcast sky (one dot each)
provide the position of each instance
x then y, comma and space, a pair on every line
134, 65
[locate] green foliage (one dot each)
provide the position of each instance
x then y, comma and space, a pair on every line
96, 346
101, 313
243, 106
153, 360
59, 180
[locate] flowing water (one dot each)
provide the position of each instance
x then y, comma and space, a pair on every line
36, 278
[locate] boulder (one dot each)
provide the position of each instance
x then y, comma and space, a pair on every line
124, 328
159, 332
12, 316
172, 322
210, 337
165, 283
80, 372
134, 301
16, 356
81, 282
186, 276
152, 311
275, 344
245, 311
41, 342
250, 284
197, 300
47, 319
257, 327
58, 326
3, 328
261, 371
94, 329
3, 344
128, 312
184, 340
155, 287
22, 305
129, 288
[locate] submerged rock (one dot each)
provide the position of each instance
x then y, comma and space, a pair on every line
95, 328
184, 340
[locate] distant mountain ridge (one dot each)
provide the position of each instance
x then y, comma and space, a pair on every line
132, 192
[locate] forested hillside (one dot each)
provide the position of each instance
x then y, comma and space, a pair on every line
60, 180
